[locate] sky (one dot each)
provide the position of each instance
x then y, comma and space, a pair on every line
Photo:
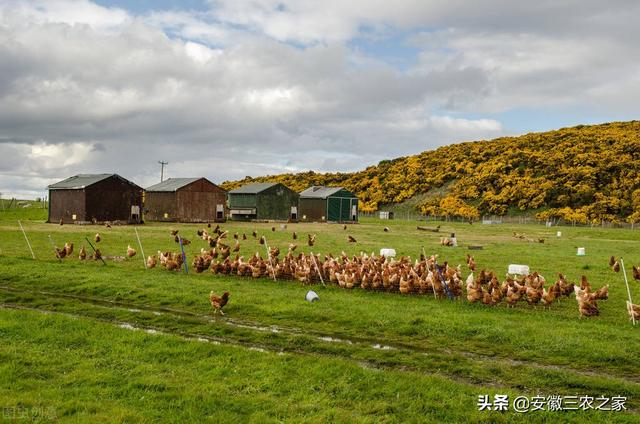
229, 88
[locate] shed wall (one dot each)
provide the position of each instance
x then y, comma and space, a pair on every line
65, 203
111, 200
156, 204
313, 209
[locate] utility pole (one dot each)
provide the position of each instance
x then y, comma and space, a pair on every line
162, 164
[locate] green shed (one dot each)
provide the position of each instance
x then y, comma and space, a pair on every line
263, 201
334, 204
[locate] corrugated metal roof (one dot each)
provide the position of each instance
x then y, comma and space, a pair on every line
253, 188
320, 192
172, 184
80, 181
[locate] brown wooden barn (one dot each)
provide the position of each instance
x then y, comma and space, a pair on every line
95, 197
185, 200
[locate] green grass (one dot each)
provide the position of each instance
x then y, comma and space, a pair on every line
441, 354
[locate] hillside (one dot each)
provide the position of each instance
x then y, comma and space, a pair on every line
582, 174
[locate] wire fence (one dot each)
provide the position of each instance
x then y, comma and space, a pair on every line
13, 203
497, 220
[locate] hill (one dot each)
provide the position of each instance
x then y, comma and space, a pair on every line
581, 174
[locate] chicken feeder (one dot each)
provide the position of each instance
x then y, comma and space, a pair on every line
312, 296
518, 269
388, 253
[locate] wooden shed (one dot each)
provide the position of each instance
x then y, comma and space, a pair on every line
263, 201
333, 204
185, 200
95, 197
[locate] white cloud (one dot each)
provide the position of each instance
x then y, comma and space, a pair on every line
258, 87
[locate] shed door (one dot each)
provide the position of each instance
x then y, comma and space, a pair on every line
345, 209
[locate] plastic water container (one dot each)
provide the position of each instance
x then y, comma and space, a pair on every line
388, 253
581, 251
518, 269
312, 296
559, 234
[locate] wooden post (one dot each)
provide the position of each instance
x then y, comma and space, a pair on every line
624, 272
319, 272
25, 237
144, 258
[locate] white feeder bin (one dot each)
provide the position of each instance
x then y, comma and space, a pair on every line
388, 253
518, 269
559, 234
312, 296
581, 251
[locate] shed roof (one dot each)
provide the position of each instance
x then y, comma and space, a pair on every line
253, 188
320, 192
81, 181
172, 184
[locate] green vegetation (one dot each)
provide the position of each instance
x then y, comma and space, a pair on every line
581, 174
355, 356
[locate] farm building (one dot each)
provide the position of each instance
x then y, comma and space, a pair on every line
263, 201
94, 197
185, 200
334, 204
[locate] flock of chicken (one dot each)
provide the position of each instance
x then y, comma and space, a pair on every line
371, 272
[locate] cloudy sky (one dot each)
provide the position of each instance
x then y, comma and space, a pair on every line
228, 88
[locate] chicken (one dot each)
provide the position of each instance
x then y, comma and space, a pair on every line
602, 293
612, 261
82, 255
294, 235
292, 247
61, 221
254, 234
236, 248
584, 284
616, 267
60, 253
344, 227
471, 263
244, 236
68, 248
263, 240
235, 236
178, 239
152, 261
587, 305
97, 238
174, 232
636, 273
634, 311
548, 297
351, 239
218, 302
446, 241
131, 252
273, 229
386, 229
97, 255
311, 240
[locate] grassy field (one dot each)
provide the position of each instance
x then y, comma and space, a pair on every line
87, 342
